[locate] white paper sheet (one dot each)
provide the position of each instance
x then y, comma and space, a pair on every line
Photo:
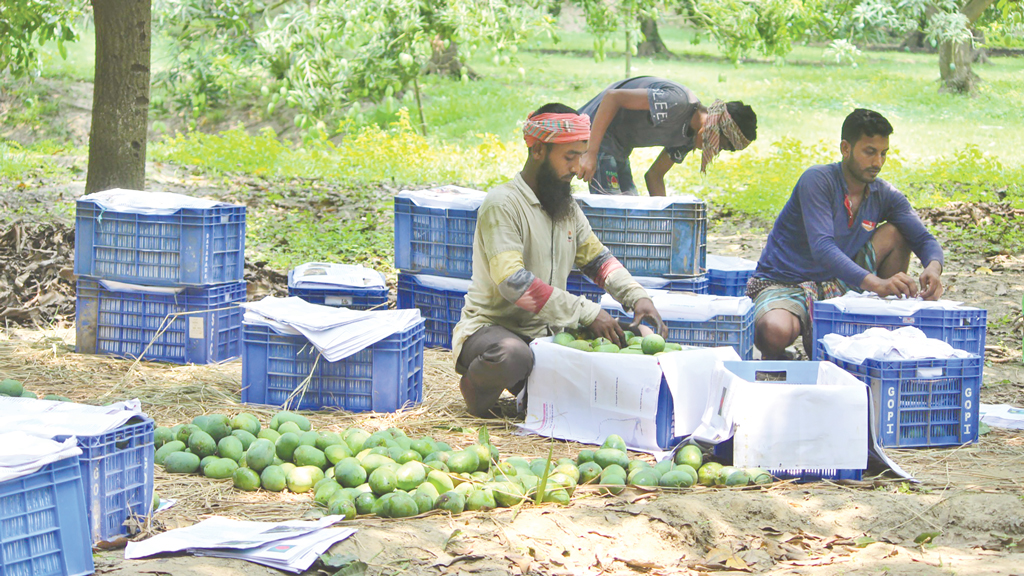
455, 197
730, 263
336, 332
140, 202
442, 282
790, 426
634, 202
1002, 416
290, 554
870, 303
585, 396
47, 418
218, 532
688, 375
22, 454
316, 275
906, 343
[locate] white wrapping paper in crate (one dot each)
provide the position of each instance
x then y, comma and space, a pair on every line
586, 396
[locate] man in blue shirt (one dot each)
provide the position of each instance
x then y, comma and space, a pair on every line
647, 111
830, 239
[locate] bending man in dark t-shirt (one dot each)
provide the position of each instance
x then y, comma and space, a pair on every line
648, 111
829, 239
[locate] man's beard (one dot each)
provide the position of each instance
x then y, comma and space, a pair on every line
555, 194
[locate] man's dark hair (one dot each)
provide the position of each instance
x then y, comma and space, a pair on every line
864, 122
553, 108
744, 118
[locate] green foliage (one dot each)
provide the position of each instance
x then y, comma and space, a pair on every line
27, 24
605, 18
324, 58
742, 27
369, 155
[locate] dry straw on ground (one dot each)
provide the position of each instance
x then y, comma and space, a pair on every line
46, 363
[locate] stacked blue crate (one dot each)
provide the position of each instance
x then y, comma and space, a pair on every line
160, 276
434, 232
344, 285
728, 275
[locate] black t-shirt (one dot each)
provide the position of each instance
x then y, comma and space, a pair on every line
665, 123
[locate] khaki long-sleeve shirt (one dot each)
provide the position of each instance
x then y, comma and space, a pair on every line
521, 261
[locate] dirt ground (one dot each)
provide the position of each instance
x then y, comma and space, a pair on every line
971, 495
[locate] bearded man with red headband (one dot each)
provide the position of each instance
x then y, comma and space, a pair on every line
647, 111
529, 234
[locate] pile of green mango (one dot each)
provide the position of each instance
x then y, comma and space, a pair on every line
388, 474
652, 344
14, 389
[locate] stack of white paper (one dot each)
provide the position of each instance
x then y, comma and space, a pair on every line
336, 332
22, 454
321, 275
906, 343
730, 263
47, 419
1002, 416
139, 202
447, 197
291, 546
870, 303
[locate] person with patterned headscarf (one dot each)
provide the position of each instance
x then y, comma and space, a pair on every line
647, 111
530, 233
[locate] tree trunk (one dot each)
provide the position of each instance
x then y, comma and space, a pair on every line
955, 60
652, 44
120, 109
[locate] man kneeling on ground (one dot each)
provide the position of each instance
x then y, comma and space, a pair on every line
829, 239
529, 234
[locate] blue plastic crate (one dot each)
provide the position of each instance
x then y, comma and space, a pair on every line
778, 372
383, 378
117, 470
667, 242
723, 453
725, 280
919, 410
962, 329
123, 323
441, 308
436, 241
721, 330
579, 285
43, 527
729, 282
194, 246
375, 298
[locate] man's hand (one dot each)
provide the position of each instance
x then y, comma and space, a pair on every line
644, 309
588, 166
898, 285
604, 326
931, 284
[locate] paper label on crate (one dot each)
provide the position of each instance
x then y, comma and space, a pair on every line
338, 300
195, 328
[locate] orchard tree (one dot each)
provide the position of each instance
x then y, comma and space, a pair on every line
608, 17
769, 27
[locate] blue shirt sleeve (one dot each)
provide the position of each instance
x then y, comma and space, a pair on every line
817, 203
905, 219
